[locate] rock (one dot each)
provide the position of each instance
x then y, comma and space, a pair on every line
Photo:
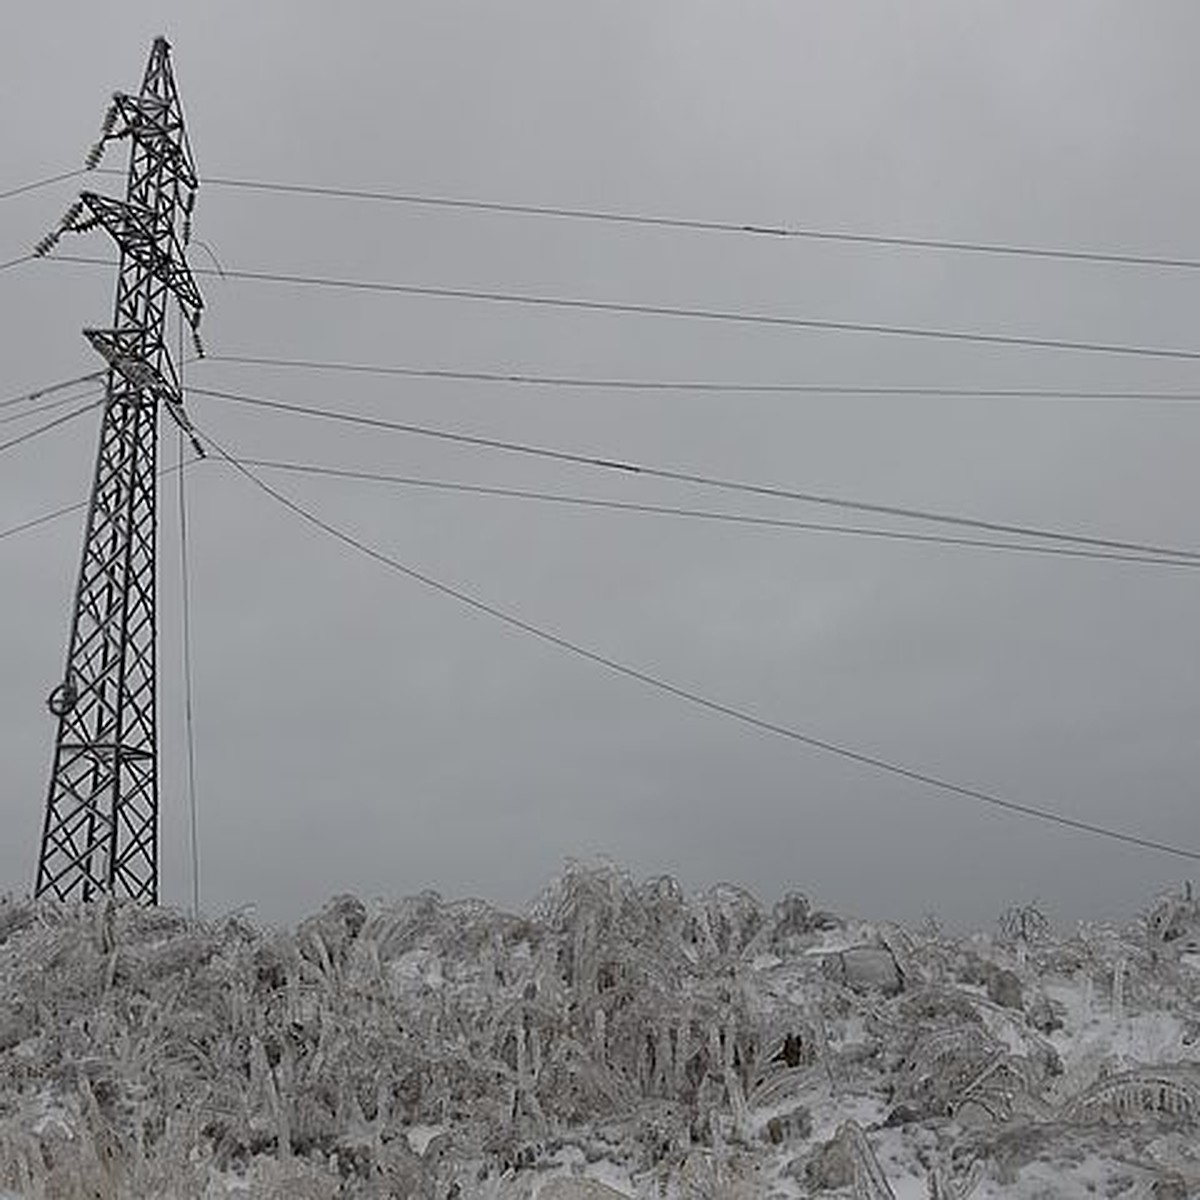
795, 1125
1043, 1014
902, 1114
14, 918
1004, 988
1170, 1187
822, 920
791, 916
831, 1167
866, 969
15, 1027
564, 1188
971, 969
10, 1034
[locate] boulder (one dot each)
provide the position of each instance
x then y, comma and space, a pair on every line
831, 1167
1004, 988
866, 969
565, 1188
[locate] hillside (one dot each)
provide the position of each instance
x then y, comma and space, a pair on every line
616, 1035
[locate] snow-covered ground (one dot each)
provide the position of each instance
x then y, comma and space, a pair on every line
617, 1039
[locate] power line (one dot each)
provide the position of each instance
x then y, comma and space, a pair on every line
698, 385
708, 514
49, 406
66, 510
694, 224
188, 705
16, 262
185, 591
44, 519
38, 393
631, 308
809, 233
41, 183
691, 697
30, 434
630, 468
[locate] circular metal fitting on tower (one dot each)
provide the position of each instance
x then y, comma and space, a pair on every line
63, 699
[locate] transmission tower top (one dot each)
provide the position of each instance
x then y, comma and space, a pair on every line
100, 835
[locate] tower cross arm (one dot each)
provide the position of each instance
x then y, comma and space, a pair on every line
119, 348
159, 250
156, 123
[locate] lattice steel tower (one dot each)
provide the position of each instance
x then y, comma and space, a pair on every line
101, 829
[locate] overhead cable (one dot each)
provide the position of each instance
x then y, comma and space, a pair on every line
650, 472
630, 308
41, 183
732, 387
44, 519
49, 406
808, 233
38, 393
30, 434
694, 698
66, 510
591, 502
185, 592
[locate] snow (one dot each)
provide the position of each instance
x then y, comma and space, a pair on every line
618, 1039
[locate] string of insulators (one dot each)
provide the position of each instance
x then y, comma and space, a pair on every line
197, 344
70, 217
47, 244
187, 228
96, 153
69, 223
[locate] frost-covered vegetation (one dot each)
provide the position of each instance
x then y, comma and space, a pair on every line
616, 1035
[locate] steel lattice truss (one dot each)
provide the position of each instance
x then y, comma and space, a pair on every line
101, 826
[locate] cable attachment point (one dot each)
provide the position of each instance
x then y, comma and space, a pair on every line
110, 116
72, 221
96, 153
71, 216
63, 699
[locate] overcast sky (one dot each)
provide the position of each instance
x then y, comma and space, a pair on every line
358, 733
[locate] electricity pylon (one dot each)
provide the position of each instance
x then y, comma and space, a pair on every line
100, 835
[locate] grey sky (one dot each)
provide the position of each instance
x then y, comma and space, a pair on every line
358, 733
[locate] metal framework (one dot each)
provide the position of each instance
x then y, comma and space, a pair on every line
100, 835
